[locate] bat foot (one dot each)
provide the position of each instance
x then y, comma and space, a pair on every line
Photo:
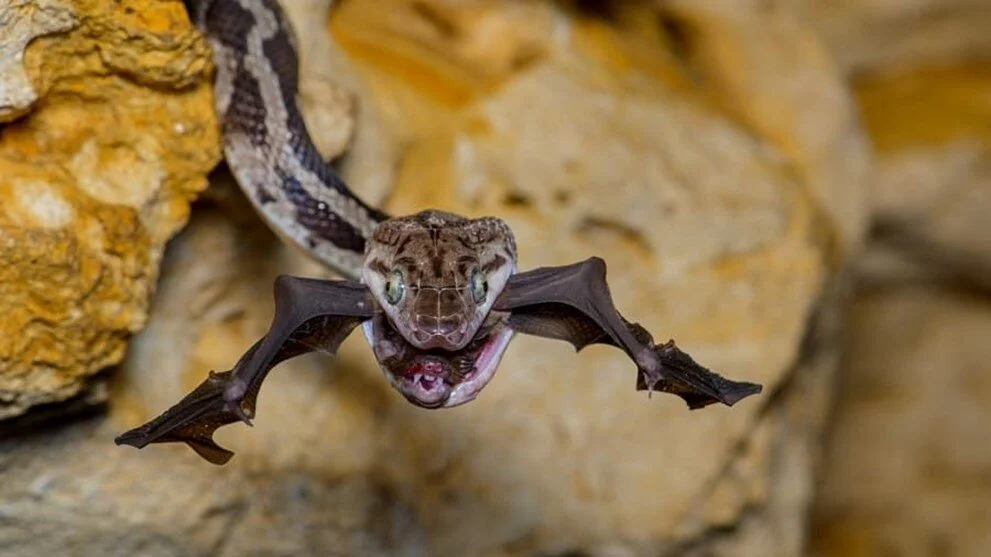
665, 368
233, 393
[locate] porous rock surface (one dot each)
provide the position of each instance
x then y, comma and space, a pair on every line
106, 134
722, 218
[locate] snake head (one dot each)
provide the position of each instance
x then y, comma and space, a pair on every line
435, 277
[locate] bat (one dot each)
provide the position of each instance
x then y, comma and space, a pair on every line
570, 303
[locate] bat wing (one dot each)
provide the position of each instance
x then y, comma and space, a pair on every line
573, 303
310, 315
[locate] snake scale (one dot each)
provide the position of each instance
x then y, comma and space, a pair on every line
266, 143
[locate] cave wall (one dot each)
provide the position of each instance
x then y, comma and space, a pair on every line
747, 173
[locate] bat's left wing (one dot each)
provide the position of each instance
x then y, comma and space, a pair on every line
573, 303
310, 315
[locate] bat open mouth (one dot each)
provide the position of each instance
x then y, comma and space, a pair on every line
437, 378
425, 380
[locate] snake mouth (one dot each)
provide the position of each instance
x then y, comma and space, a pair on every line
437, 378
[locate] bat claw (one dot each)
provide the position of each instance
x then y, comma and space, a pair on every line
238, 411
233, 397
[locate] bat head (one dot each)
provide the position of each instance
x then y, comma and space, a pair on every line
435, 277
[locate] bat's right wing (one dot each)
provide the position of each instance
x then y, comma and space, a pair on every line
573, 303
310, 314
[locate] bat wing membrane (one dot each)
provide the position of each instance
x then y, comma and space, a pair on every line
310, 314
573, 303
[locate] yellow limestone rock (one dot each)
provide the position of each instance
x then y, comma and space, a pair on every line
108, 137
22, 21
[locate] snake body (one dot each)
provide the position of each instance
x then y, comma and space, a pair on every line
266, 143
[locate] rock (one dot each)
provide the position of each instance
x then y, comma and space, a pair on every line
589, 135
933, 192
22, 22
734, 50
906, 463
97, 176
906, 466
66, 492
756, 507
868, 36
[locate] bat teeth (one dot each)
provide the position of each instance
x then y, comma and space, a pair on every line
425, 380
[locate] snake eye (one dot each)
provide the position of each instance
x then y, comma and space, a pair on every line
479, 286
395, 288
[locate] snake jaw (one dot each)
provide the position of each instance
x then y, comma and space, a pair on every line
485, 367
437, 378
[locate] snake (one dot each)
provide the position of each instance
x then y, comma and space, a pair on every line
437, 295
434, 274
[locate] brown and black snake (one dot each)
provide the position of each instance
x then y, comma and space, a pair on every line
436, 294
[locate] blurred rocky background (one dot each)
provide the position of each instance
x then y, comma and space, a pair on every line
798, 191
